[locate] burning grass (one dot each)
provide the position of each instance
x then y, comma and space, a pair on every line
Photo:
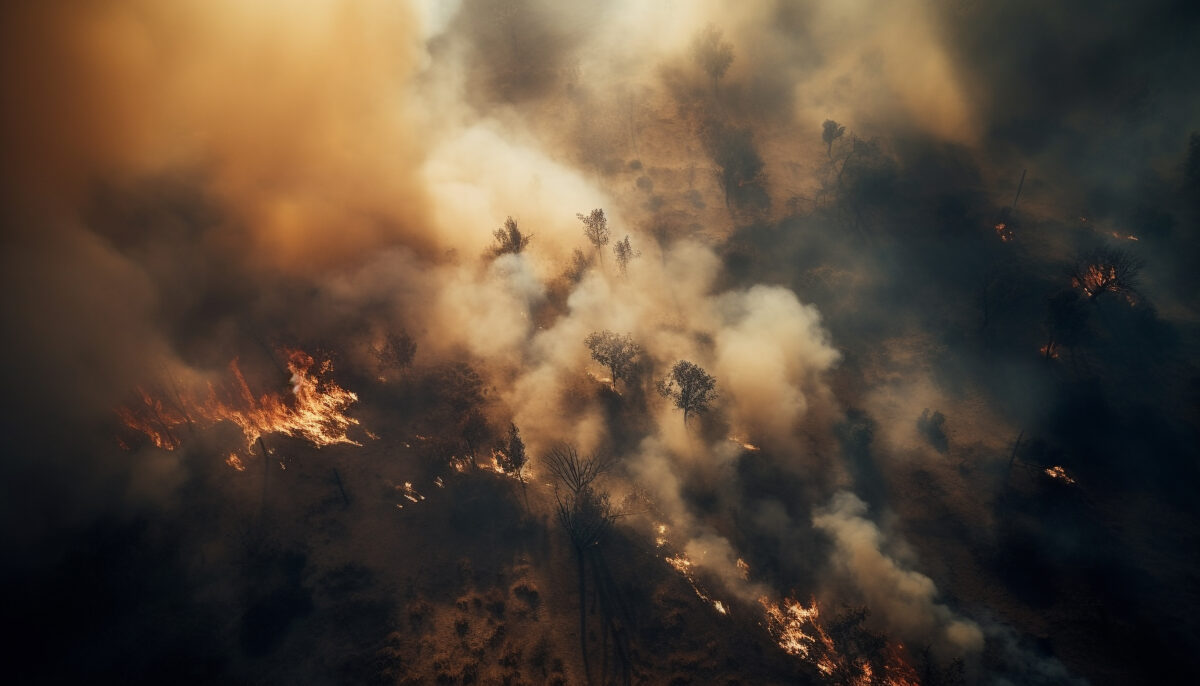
315, 410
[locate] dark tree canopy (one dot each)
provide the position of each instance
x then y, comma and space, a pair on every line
830, 132
614, 351
595, 227
509, 239
512, 458
740, 167
690, 387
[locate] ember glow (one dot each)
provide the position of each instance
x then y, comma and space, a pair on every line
1095, 280
684, 566
1058, 473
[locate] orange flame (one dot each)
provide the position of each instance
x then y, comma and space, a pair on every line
1004, 232
314, 412
1059, 473
798, 631
1095, 280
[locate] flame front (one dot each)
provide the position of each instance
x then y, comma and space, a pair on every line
315, 412
797, 630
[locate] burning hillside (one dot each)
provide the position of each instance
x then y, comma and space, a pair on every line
800, 342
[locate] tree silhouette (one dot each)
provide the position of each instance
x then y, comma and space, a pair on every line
595, 227
689, 387
512, 458
509, 239
625, 253
830, 132
586, 514
1106, 270
712, 53
614, 351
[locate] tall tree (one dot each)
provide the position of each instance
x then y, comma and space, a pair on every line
830, 132
586, 514
713, 53
614, 351
690, 387
595, 227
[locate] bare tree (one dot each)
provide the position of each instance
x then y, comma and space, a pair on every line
830, 132
614, 351
625, 253
1106, 270
575, 472
595, 227
509, 239
689, 387
713, 53
586, 513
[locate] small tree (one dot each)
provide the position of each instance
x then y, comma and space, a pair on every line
712, 53
625, 253
830, 132
512, 459
689, 387
509, 239
614, 351
1106, 270
595, 227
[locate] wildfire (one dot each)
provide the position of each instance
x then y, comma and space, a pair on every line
409, 494
1004, 232
683, 565
315, 410
1058, 472
745, 446
798, 631
236, 462
1095, 280
660, 539
1127, 237
795, 628
1049, 351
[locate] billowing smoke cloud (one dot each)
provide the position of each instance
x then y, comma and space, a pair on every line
905, 598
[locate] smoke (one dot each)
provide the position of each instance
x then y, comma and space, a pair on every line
185, 182
905, 598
